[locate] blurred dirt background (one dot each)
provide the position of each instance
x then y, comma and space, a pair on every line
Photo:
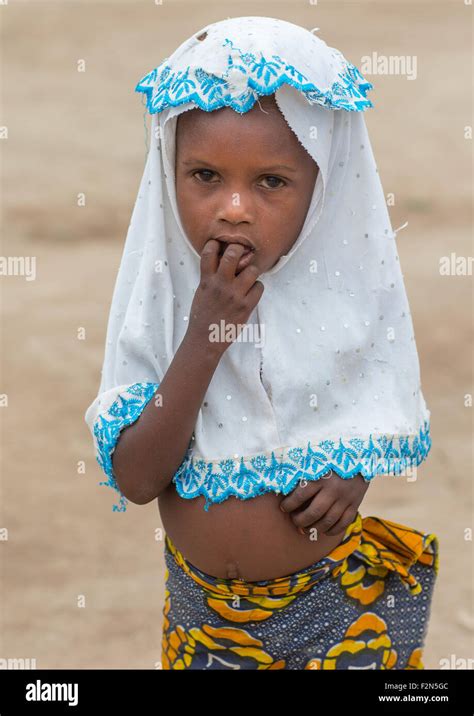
71, 132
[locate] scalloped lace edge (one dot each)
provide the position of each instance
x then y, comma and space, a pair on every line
164, 88
276, 472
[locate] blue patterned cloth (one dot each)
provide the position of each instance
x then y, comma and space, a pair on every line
366, 605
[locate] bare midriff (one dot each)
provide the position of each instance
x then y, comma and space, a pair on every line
248, 539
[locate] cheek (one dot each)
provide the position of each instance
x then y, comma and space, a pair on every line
285, 214
300, 204
285, 223
188, 205
193, 215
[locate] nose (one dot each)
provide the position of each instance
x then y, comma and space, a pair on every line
235, 207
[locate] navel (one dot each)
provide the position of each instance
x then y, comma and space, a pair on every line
233, 571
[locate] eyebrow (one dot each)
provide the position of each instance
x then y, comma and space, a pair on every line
274, 167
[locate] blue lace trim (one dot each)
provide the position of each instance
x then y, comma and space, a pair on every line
247, 77
123, 411
279, 473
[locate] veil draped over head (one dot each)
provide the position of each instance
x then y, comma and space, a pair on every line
334, 382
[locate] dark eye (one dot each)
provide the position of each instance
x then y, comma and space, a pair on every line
205, 172
271, 177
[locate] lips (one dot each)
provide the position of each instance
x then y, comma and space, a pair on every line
245, 259
235, 239
224, 245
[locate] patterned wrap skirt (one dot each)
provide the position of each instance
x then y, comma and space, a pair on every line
366, 605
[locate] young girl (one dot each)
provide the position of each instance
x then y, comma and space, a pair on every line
261, 367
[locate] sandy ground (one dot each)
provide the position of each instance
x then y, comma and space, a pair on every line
82, 586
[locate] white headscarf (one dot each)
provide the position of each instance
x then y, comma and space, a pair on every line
336, 383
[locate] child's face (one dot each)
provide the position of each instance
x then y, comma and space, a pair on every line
230, 179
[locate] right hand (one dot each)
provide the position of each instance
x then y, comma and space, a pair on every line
221, 294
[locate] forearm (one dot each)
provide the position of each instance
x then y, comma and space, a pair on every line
150, 450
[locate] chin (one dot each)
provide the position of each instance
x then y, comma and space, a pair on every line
275, 262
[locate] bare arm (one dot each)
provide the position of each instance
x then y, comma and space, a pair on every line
150, 450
